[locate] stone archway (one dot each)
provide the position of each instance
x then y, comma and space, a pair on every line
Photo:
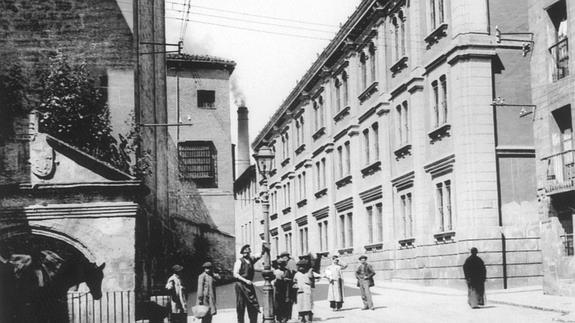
24, 296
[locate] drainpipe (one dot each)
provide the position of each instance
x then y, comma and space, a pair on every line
499, 211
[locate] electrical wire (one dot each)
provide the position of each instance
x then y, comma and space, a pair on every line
250, 29
256, 22
254, 15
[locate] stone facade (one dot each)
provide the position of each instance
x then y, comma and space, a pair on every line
75, 206
393, 145
552, 93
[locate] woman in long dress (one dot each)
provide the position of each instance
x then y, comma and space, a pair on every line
303, 282
333, 273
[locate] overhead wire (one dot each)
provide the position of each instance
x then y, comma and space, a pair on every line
280, 33
255, 22
255, 15
250, 29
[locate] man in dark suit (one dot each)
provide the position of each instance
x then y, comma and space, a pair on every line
364, 274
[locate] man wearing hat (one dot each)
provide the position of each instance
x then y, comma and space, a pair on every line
284, 293
244, 287
364, 275
178, 295
207, 291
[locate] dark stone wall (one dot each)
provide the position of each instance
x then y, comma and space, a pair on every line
91, 30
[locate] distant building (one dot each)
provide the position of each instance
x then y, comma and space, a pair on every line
394, 144
552, 92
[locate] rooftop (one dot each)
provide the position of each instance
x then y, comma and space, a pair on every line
202, 60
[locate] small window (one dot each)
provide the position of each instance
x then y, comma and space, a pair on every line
206, 99
197, 162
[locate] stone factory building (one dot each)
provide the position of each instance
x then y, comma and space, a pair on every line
554, 96
404, 141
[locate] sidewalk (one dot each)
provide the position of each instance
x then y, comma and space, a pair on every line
528, 297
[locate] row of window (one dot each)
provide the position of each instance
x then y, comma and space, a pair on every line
375, 223
438, 101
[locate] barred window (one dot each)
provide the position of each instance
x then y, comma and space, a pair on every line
197, 162
206, 99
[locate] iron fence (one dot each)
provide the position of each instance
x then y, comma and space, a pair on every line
113, 307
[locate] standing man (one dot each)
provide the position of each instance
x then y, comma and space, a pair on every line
207, 291
364, 275
245, 291
335, 288
178, 295
284, 293
475, 275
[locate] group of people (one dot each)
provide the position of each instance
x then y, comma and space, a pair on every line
295, 287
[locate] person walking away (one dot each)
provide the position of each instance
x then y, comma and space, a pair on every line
245, 292
303, 281
364, 275
333, 273
207, 291
178, 295
284, 294
475, 276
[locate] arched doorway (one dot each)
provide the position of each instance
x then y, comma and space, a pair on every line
37, 270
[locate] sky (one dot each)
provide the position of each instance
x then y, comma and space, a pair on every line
268, 64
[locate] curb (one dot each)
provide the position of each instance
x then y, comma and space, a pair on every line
534, 307
490, 300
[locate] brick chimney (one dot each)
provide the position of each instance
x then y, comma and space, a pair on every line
243, 156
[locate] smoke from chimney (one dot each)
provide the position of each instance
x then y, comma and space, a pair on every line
238, 95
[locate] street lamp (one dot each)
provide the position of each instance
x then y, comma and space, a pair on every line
264, 158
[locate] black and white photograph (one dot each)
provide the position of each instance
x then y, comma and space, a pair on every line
340, 161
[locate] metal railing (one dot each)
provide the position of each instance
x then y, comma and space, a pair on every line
568, 244
561, 166
113, 307
560, 53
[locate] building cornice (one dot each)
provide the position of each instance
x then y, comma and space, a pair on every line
69, 211
366, 10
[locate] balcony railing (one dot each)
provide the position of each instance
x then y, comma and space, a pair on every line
560, 172
568, 244
560, 53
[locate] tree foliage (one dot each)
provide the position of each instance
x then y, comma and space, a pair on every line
72, 108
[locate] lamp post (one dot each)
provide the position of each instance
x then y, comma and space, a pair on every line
264, 158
